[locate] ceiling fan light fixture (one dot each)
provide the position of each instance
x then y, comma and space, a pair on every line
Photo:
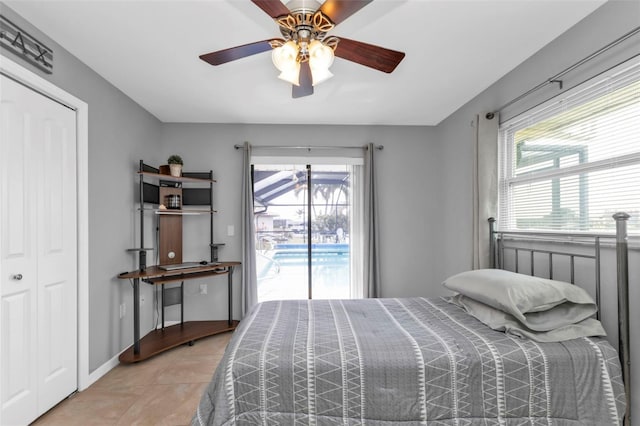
320, 55
285, 57
305, 51
320, 59
318, 75
291, 74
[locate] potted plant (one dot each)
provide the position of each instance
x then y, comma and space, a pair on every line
175, 165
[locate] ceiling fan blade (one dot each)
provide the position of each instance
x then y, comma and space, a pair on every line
306, 83
273, 8
339, 10
238, 52
369, 55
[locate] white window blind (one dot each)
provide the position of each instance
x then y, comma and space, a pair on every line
573, 162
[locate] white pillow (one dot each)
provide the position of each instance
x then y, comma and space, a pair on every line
538, 303
502, 321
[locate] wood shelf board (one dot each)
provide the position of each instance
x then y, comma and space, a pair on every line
185, 276
152, 272
178, 211
158, 341
182, 212
175, 178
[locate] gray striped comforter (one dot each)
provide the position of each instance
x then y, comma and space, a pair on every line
404, 361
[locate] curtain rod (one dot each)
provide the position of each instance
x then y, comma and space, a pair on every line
309, 147
556, 78
578, 84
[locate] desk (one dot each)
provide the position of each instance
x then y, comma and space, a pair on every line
161, 340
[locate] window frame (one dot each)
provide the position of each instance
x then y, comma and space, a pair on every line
615, 78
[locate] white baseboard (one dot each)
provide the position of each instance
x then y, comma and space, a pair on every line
102, 370
112, 363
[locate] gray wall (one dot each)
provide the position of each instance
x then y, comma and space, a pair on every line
606, 24
409, 188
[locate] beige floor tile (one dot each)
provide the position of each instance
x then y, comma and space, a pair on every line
165, 405
207, 346
163, 390
138, 374
93, 407
190, 369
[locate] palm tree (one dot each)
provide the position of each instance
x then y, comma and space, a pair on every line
325, 190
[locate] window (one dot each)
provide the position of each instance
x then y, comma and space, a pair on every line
573, 162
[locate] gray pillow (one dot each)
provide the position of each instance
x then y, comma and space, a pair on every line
538, 303
501, 321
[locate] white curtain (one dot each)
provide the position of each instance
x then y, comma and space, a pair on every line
485, 185
372, 285
249, 277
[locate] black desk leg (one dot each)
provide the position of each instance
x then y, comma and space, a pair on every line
162, 285
136, 316
182, 303
230, 282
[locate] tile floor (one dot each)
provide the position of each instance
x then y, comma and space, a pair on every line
163, 390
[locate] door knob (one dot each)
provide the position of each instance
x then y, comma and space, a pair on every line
17, 277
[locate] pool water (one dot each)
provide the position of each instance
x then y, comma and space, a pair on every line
283, 272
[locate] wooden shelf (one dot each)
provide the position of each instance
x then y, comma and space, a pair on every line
176, 179
157, 273
158, 341
179, 212
183, 212
195, 198
186, 276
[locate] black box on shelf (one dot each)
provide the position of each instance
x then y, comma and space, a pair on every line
170, 184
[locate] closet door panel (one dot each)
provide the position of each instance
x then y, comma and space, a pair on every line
38, 264
18, 259
57, 254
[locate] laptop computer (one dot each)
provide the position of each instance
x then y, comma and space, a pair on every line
186, 265
178, 266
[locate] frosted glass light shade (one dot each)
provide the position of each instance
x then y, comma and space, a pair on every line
320, 59
318, 75
285, 56
285, 59
320, 55
291, 74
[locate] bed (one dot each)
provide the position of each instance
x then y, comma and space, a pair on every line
417, 361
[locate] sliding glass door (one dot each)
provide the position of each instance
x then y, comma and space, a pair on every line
305, 228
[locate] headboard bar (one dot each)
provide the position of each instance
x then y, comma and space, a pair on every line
622, 256
497, 247
492, 242
598, 273
531, 262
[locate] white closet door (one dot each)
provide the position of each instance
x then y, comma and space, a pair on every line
18, 345
38, 348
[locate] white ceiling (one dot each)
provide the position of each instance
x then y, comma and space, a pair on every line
454, 50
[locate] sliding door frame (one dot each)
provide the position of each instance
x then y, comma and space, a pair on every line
355, 240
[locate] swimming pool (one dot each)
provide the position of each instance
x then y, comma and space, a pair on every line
283, 274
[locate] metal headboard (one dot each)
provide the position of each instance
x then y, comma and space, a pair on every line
501, 241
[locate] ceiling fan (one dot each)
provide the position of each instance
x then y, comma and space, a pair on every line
306, 52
